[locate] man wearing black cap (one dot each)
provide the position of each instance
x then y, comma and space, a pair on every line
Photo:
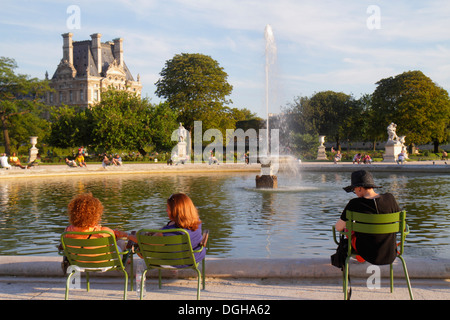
374, 248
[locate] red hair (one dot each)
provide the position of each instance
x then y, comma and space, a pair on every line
85, 211
183, 212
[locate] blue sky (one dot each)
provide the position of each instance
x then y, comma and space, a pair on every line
344, 46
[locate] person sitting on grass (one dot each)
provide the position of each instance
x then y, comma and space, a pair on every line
357, 158
71, 163
4, 161
15, 161
35, 162
106, 162
117, 160
367, 159
80, 160
337, 157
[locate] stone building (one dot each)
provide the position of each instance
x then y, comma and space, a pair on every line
88, 67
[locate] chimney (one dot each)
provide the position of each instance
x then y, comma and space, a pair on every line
67, 47
97, 50
118, 50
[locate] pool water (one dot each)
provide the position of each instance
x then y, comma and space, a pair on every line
293, 221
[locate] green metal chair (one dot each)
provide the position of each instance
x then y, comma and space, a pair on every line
375, 224
94, 255
168, 252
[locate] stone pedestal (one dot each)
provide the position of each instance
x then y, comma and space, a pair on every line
266, 180
33, 150
391, 151
182, 149
321, 154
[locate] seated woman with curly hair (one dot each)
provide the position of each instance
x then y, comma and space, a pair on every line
85, 213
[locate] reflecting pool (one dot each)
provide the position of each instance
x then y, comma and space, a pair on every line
292, 221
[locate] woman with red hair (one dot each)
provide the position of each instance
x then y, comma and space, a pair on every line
183, 214
85, 213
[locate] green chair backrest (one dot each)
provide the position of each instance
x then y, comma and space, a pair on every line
377, 224
160, 251
92, 253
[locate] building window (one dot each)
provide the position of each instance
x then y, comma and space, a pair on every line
81, 95
95, 95
70, 96
61, 96
51, 97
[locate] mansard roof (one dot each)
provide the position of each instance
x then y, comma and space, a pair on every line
85, 63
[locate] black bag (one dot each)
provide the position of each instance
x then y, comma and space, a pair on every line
338, 259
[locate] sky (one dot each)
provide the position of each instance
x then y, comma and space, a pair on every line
343, 46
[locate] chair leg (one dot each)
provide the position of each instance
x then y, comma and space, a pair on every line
203, 273
126, 285
199, 280
88, 286
132, 273
346, 297
391, 274
405, 270
66, 296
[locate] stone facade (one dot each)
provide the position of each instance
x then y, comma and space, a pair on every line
87, 68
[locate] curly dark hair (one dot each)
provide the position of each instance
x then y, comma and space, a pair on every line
85, 211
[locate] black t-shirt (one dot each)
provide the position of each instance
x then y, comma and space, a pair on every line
377, 249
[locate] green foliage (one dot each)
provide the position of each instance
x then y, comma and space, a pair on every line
419, 107
19, 95
121, 120
304, 144
328, 113
196, 87
69, 127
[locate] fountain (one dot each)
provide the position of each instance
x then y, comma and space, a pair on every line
267, 179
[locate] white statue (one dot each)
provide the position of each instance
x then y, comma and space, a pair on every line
391, 130
181, 133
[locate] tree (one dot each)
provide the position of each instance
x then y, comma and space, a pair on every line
326, 113
70, 127
419, 107
245, 119
27, 125
196, 87
123, 120
19, 94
